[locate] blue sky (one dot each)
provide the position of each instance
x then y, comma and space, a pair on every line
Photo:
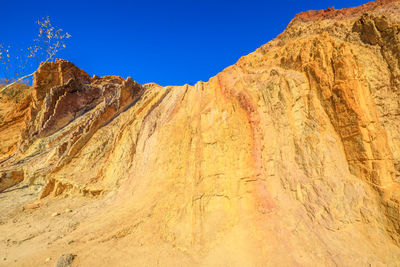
167, 42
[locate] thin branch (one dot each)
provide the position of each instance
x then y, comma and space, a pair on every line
46, 37
53, 53
20, 79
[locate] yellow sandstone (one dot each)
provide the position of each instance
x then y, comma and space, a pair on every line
290, 157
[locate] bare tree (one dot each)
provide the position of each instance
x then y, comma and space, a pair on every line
50, 40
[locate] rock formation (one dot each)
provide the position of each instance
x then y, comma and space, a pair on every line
289, 157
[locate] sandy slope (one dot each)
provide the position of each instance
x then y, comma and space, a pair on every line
289, 157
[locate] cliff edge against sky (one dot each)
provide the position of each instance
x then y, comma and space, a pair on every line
289, 157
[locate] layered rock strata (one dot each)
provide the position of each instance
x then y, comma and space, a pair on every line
289, 157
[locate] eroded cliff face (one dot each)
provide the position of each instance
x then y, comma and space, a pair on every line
289, 157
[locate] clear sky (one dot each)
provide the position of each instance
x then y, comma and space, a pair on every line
168, 42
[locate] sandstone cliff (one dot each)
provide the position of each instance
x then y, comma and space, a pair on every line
289, 157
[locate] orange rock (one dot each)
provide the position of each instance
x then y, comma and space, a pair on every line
33, 206
289, 157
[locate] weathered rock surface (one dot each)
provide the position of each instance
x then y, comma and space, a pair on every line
65, 260
289, 157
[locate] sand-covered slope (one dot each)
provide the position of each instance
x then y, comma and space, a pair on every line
290, 157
